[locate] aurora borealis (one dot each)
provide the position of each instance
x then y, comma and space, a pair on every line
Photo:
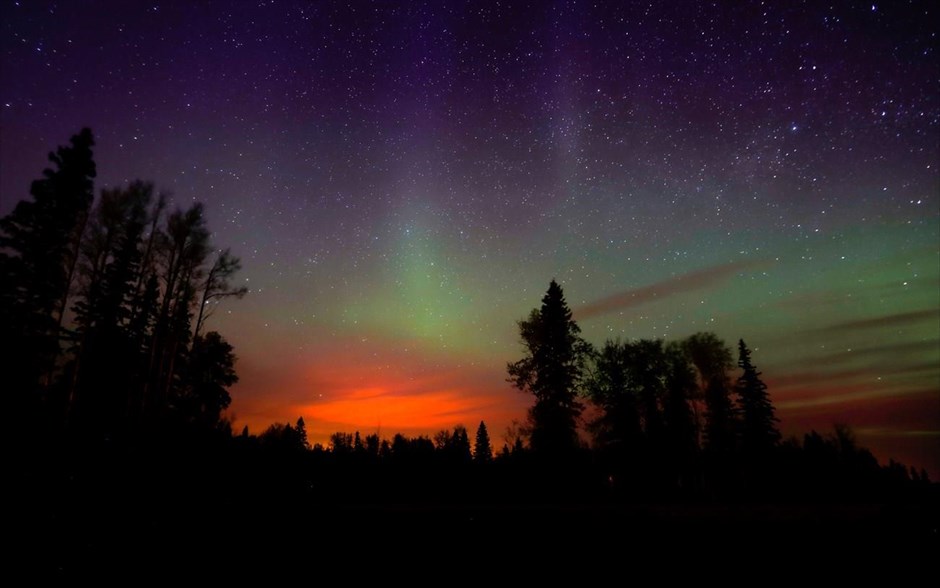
403, 180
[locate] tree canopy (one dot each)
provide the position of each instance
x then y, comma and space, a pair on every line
127, 355
552, 371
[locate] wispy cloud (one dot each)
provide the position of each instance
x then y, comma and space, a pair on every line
849, 394
871, 372
888, 353
893, 432
893, 320
698, 280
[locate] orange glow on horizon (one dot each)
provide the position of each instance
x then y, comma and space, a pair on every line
383, 409
341, 391
384, 389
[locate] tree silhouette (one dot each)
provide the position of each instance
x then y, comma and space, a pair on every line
216, 285
460, 445
301, 429
618, 428
133, 281
284, 439
630, 382
482, 450
341, 443
442, 440
181, 250
210, 372
758, 429
455, 447
38, 251
552, 371
712, 359
646, 364
385, 449
681, 432
106, 364
372, 445
144, 315
720, 417
514, 437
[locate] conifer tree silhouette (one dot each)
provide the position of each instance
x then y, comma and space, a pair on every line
482, 450
758, 423
552, 371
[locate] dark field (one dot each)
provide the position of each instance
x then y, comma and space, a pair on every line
120, 539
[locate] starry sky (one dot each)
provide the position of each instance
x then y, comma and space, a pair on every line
403, 180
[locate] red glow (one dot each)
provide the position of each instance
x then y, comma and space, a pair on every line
379, 387
346, 391
899, 426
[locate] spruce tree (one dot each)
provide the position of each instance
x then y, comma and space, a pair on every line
482, 450
552, 371
301, 429
758, 424
38, 250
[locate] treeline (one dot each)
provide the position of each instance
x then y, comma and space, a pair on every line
447, 468
670, 421
103, 306
673, 419
104, 303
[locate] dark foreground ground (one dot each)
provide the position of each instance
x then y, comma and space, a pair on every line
133, 544
182, 520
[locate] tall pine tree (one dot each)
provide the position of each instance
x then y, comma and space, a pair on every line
758, 423
482, 450
552, 371
38, 251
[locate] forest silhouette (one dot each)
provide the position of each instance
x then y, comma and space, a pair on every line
116, 396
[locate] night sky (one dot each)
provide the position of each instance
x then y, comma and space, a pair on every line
402, 182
